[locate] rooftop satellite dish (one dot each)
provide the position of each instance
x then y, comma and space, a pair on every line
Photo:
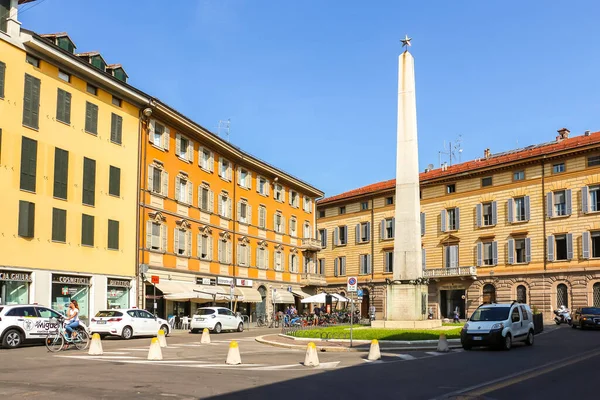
430, 167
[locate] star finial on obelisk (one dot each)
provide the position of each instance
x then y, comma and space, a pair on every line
406, 42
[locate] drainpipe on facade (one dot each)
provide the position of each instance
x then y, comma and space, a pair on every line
371, 294
544, 213
234, 219
141, 201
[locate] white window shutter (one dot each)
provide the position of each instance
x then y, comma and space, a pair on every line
211, 201
510, 206
479, 212
258, 260
164, 237
550, 247
229, 172
239, 210
210, 247
151, 128
423, 259
220, 250
150, 177
568, 200
248, 255
188, 244
148, 234
443, 221
249, 180
166, 138
527, 209
336, 235
175, 241
393, 227
511, 251
249, 213
165, 183
569, 246
239, 176
199, 245
229, 246
368, 264
585, 244
290, 264
357, 233
528, 250
177, 190
479, 254
282, 224
221, 170
494, 213
220, 204
584, 199
368, 231
382, 230
422, 223
335, 267
190, 188
178, 144
549, 204
190, 151
229, 212
457, 214
239, 254
494, 252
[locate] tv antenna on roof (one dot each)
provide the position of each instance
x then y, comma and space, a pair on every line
224, 127
453, 150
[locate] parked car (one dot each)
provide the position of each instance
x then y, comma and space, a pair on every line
498, 325
127, 323
586, 317
27, 323
216, 319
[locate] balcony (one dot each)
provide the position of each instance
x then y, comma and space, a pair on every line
313, 279
457, 272
311, 245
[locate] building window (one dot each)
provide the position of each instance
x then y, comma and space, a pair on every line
91, 89
29, 59
156, 236
389, 261
520, 251
205, 199
157, 132
224, 206
487, 214
387, 228
114, 181
225, 169
262, 217
518, 175
389, 201
31, 102
278, 223
323, 237
520, 209
594, 198
244, 213
306, 204
89, 181
26, 219
450, 219
363, 232
451, 256
205, 247
322, 266
183, 190
364, 264
593, 161
487, 181
293, 231
278, 261
340, 235
560, 203
279, 193
113, 235
158, 180
87, 230
224, 252
596, 294
293, 262
262, 257
451, 188
307, 234
521, 294
321, 213
339, 266
489, 294
91, 118
182, 245
262, 186
244, 178
342, 210
28, 164
595, 241
206, 159
558, 168
488, 253
294, 199
561, 247
364, 205
562, 295
116, 129
59, 225
184, 149
243, 254
64, 76
117, 101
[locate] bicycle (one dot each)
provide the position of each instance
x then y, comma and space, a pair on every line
55, 341
261, 321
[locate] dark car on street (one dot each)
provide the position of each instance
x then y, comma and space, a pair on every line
586, 317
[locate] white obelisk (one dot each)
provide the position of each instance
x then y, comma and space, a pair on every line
406, 295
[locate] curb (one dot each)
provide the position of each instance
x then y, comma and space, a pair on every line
363, 341
423, 346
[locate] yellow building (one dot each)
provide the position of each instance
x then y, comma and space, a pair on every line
517, 225
69, 132
219, 225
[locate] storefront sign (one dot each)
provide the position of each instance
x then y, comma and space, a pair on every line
452, 286
206, 281
224, 281
244, 282
71, 280
15, 276
119, 282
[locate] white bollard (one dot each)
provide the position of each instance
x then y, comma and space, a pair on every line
233, 356
162, 340
311, 359
205, 336
155, 353
374, 352
95, 346
443, 344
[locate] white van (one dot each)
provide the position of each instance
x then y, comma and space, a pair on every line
498, 325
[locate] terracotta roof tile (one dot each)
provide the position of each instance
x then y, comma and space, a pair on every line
468, 166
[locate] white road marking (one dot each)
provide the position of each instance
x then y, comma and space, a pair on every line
103, 357
435, 353
406, 357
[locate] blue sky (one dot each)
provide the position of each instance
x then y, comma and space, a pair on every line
311, 86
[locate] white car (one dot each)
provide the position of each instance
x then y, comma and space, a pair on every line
27, 322
216, 319
127, 323
498, 325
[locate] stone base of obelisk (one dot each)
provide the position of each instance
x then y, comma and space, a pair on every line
405, 309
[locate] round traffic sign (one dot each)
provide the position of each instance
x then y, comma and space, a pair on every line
352, 281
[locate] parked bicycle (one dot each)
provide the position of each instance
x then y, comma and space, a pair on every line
55, 341
262, 321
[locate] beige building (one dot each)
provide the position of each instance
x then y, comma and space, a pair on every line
517, 225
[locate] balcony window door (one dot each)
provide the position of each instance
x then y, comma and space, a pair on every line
451, 256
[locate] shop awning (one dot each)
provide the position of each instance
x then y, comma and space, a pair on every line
248, 295
169, 287
283, 297
300, 293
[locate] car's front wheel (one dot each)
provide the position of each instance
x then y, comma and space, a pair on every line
217, 328
165, 329
241, 327
507, 342
12, 339
127, 333
529, 340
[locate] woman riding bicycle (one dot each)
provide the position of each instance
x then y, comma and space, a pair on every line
72, 319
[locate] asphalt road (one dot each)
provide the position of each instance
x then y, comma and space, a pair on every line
562, 361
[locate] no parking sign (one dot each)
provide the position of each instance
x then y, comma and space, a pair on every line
352, 284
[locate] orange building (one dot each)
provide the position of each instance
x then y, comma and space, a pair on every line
219, 225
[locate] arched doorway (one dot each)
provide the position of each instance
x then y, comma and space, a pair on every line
366, 303
521, 294
261, 308
489, 294
343, 305
562, 295
596, 294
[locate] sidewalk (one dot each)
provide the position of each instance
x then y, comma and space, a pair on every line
337, 345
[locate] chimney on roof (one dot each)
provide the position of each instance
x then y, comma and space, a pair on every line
563, 134
444, 166
487, 153
586, 133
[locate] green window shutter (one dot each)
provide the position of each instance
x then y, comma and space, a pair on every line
63, 106
114, 182
61, 173
87, 230
116, 128
28, 164
27, 101
67, 108
113, 234
89, 181
2, 78
59, 225
91, 118
26, 219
